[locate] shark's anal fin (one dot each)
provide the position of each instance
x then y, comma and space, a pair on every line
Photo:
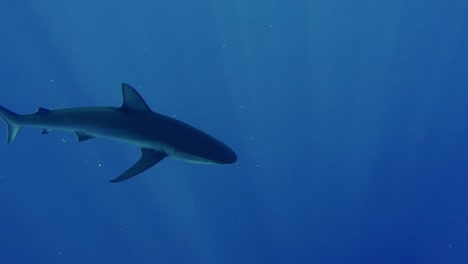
148, 159
82, 136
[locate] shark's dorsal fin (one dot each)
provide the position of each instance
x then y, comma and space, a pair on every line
149, 157
132, 100
42, 111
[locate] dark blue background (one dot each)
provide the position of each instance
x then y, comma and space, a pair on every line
349, 119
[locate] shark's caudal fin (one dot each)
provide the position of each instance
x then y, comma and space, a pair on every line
12, 123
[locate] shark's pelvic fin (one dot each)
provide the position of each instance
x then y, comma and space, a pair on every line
132, 100
148, 159
12, 124
82, 136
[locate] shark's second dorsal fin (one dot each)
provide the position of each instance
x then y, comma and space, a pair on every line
132, 100
42, 111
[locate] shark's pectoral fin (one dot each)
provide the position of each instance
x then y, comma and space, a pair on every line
148, 159
45, 131
82, 136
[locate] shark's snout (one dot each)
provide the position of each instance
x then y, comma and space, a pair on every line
231, 157
228, 156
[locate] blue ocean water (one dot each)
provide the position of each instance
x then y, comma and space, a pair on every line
348, 119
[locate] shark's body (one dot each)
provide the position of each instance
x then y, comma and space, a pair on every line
157, 135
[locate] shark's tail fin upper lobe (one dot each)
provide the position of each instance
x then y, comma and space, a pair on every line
11, 120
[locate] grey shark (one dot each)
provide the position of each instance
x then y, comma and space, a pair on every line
157, 135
